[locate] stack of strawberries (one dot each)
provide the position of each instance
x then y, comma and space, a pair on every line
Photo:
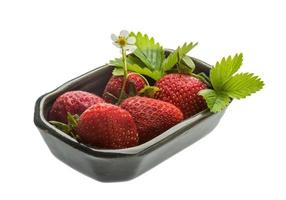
131, 111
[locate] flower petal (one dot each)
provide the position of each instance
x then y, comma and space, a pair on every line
116, 44
114, 37
129, 47
131, 40
124, 33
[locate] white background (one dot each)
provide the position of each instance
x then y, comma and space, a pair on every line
45, 43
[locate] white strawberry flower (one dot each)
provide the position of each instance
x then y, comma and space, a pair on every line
124, 41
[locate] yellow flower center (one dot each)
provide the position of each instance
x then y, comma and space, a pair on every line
121, 41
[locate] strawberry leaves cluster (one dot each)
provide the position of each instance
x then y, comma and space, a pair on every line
149, 58
224, 83
227, 84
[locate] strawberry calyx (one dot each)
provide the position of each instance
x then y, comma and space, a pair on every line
148, 91
70, 127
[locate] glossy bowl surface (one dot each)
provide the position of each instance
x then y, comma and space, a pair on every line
109, 165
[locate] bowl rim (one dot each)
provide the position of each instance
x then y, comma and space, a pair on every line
141, 149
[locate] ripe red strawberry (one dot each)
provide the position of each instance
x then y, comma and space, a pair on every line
151, 116
74, 102
182, 91
107, 126
114, 86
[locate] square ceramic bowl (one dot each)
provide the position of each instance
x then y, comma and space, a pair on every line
108, 165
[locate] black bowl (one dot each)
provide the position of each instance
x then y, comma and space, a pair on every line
109, 165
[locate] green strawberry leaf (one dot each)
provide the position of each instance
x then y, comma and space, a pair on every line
62, 126
176, 56
224, 69
226, 84
170, 61
189, 62
118, 71
118, 63
156, 75
148, 91
132, 59
186, 66
186, 48
184, 69
242, 85
216, 102
148, 51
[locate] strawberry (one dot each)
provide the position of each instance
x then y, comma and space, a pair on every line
151, 116
74, 102
182, 91
114, 85
107, 126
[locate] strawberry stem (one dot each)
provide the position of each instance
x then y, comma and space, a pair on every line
146, 81
125, 76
